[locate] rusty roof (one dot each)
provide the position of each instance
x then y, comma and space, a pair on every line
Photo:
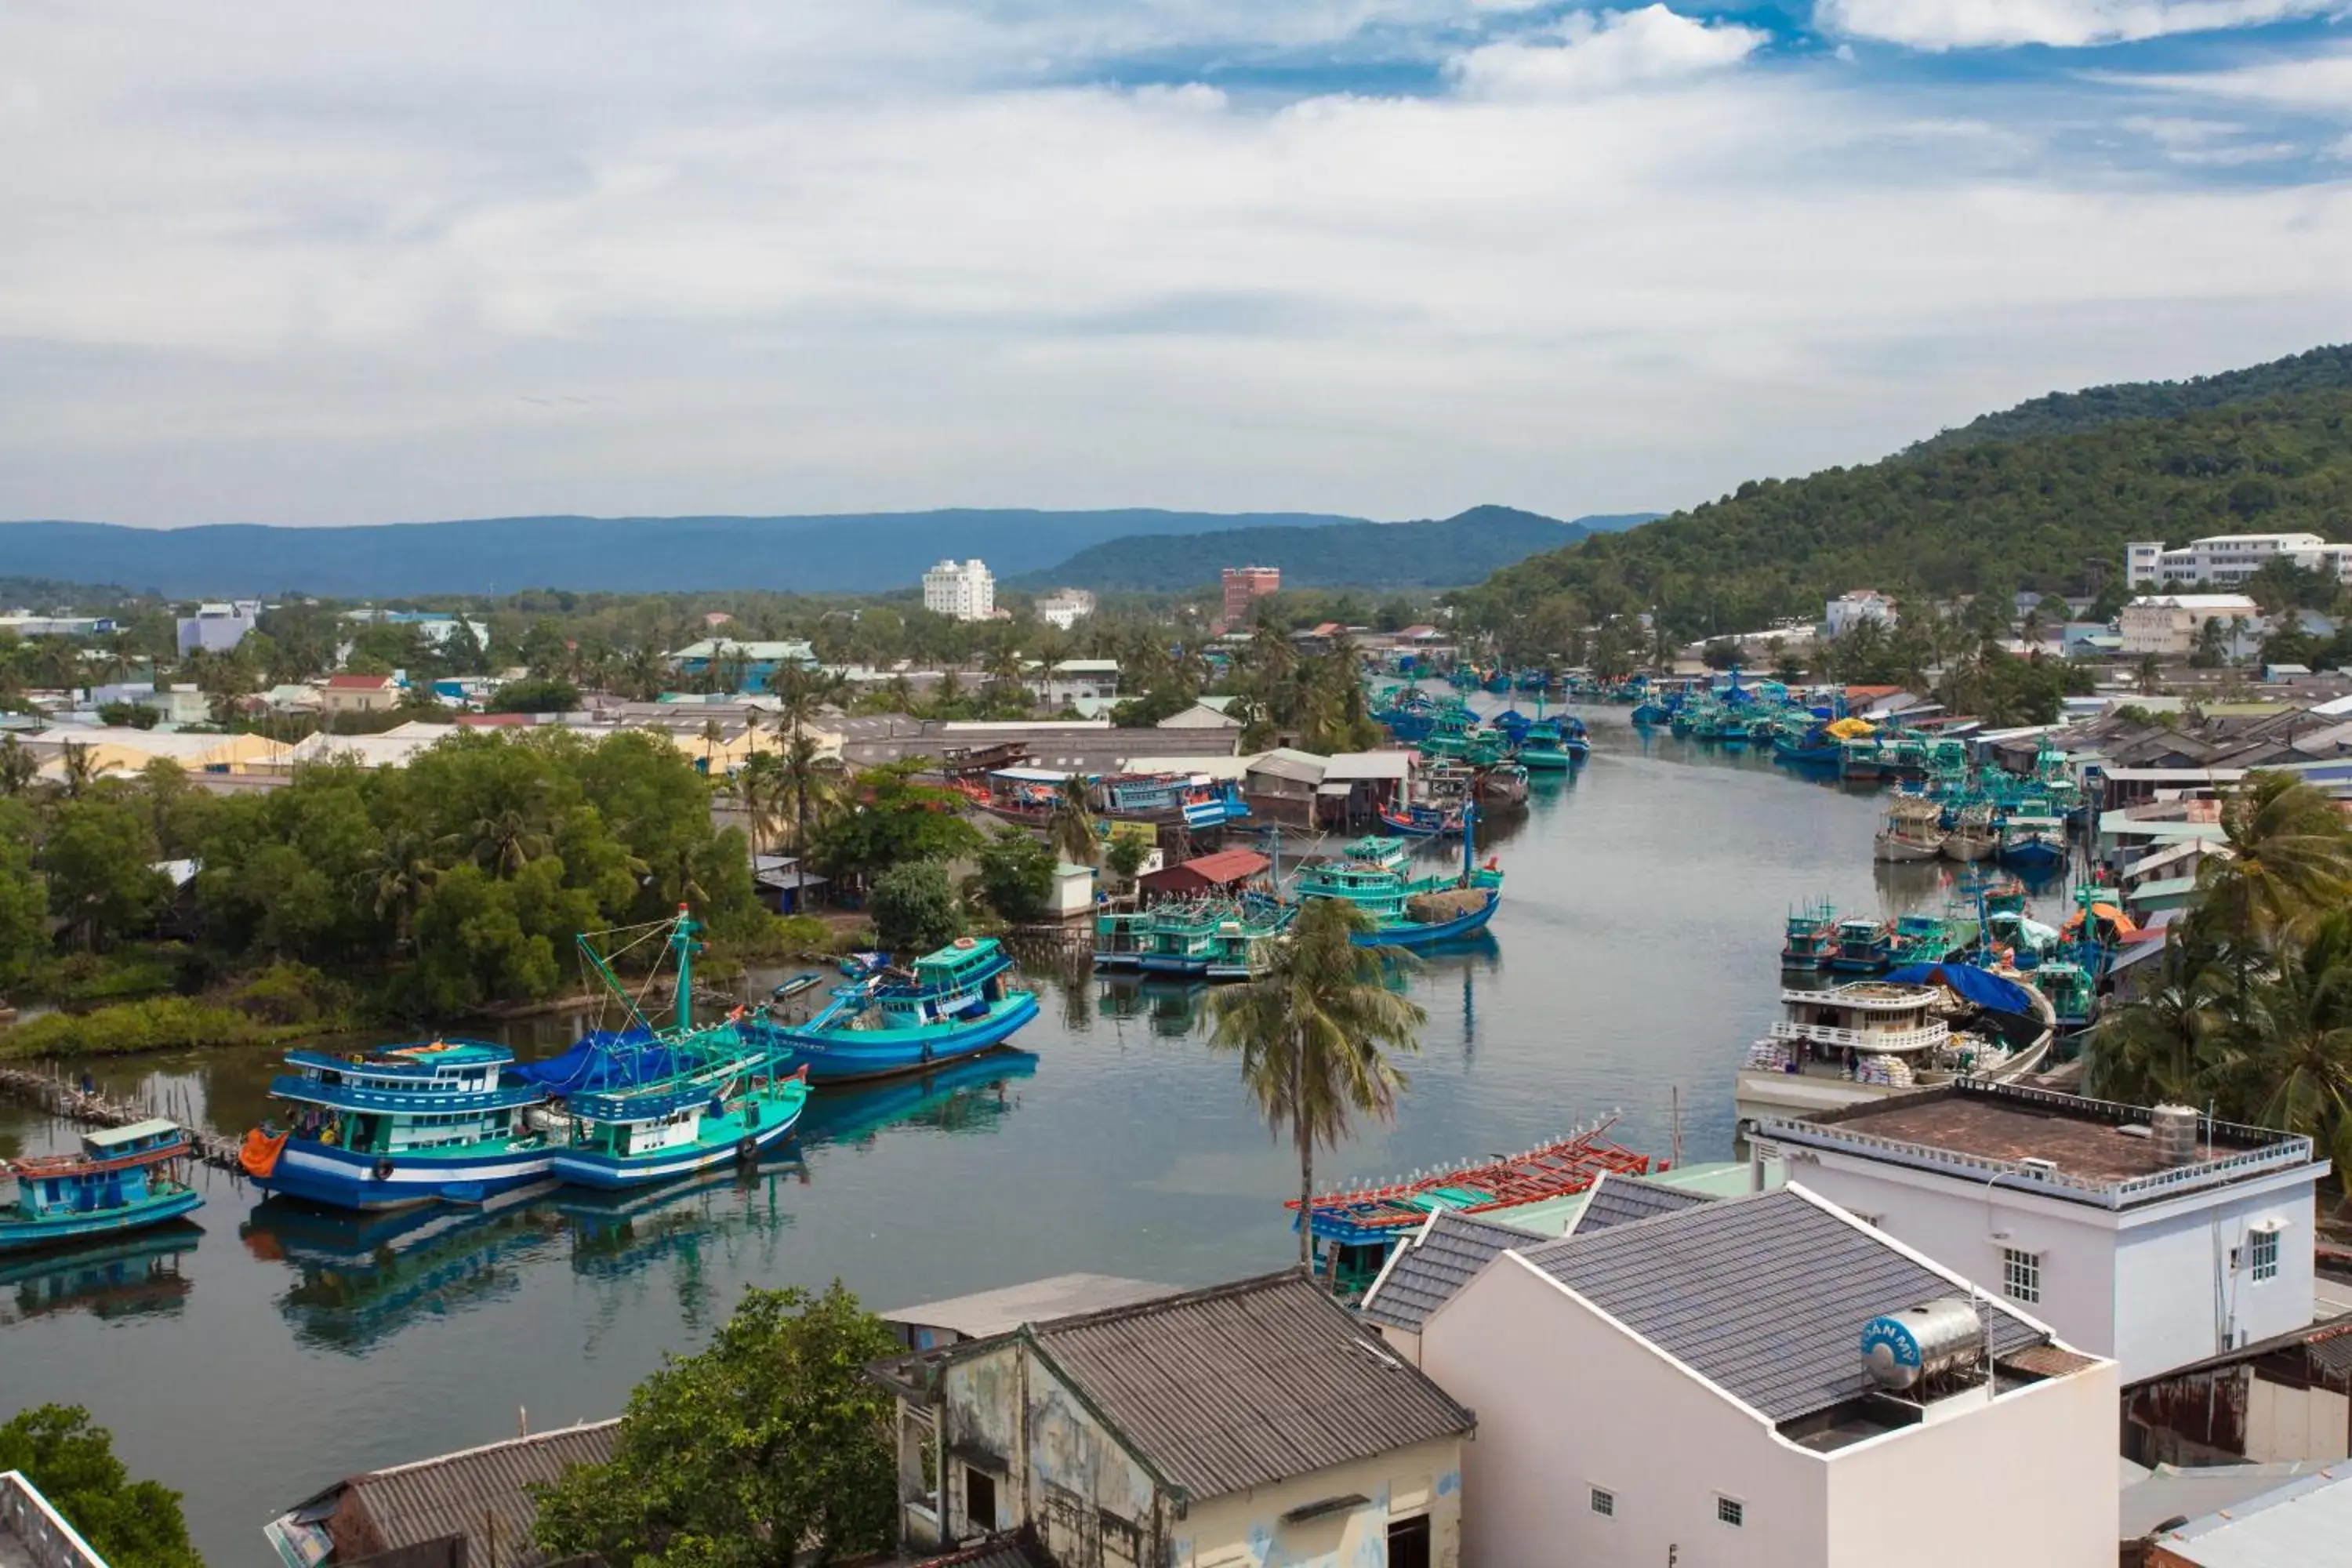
1244, 1385
464, 1493
2048, 1361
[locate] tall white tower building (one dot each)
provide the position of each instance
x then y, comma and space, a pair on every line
964, 590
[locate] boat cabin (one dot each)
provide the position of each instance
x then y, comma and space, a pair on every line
111, 1172
627, 1126
403, 1100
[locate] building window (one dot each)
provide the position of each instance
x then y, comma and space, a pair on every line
2262, 1254
2021, 1275
1730, 1511
978, 1499
1408, 1542
1604, 1502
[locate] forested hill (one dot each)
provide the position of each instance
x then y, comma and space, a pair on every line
2072, 413
2047, 513
1430, 554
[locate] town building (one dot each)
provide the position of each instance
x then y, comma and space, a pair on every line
743, 666
26, 625
1245, 585
34, 1535
2228, 559
1768, 1380
2168, 625
1065, 607
935, 1325
1074, 680
357, 694
473, 1507
1246, 1423
2156, 1237
2287, 1399
433, 626
2303, 1521
1849, 610
961, 590
218, 627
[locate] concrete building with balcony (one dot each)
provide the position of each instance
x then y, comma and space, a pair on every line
2168, 625
2158, 1238
2230, 559
961, 590
1848, 611
1065, 607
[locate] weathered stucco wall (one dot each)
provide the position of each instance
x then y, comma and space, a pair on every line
1247, 1530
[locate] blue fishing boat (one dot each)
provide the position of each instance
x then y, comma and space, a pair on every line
1864, 946
954, 1002
1409, 911
119, 1180
1421, 820
1544, 748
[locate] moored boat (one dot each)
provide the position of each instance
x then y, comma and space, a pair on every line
1809, 938
122, 1179
1408, 912
676, 1126
1861, 947
1912, 831
957, 1002
2032, 843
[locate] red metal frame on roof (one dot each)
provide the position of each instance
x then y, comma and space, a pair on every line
1553, 1170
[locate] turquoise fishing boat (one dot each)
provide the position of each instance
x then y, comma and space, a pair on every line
1544, 748
1810, 937
120, 1181
1409, 911
1863, 946
957, 1002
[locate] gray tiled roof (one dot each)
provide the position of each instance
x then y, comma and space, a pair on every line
1619, 1200
1244, 1385
459, 1494
1443, 1257
1764, 1297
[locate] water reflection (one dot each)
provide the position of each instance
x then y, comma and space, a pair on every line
134, 1277
970, 1095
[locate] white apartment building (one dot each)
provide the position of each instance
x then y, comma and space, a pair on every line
1065, 607
2229, 558
1848, 611
1764, 1382
218, 627
2156, 1237
962, 590
2167, 624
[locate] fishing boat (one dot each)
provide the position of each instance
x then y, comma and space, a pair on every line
1973, 835
1811, 937
1923, 938
796, 985
1355, 1228
2035, 843
1421, 819
1212, 939
1408, 912
1912, 831
1502, 784
120, 1181
1544, 748
1861, 946
384, 1127
953, 1003
1196, 800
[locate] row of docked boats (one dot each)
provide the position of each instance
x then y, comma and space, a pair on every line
1446, 730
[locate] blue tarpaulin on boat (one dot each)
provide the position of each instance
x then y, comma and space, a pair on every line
1979, 986
602, 1060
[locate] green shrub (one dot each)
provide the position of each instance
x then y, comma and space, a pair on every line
289, 993
160, 1024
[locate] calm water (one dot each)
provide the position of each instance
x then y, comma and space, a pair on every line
260, 1354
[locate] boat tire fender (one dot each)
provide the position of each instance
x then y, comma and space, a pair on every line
748, 1150
383, 1172
927, 1053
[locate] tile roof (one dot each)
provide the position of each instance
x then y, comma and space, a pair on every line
1244, 1385
1765, 1297
1428, 1270
458, 1494
1618, 1200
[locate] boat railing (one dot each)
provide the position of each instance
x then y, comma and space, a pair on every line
1924, 1038
47, 1540
1862, 997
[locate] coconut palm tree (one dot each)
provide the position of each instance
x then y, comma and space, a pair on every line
506, 841
2293, 1043
1309, 1026
2162, 1046
2290, 860
76, 771
811, 785
1071, 829
404, 867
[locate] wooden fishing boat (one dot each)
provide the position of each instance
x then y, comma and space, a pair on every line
676, 1126
957, 1002
2032, 843
791, 988
1810, 937
1544, 748
1861, 946
1421, 820
1408, 912
1913, 831
1973, 835
121, 1180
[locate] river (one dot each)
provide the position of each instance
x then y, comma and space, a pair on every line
262, 1353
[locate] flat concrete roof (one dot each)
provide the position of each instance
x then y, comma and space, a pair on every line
1037, 1301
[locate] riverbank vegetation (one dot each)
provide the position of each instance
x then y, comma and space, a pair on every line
130, 1524
2251, 1009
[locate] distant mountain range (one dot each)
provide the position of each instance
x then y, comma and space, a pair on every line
839, 552
1427, 555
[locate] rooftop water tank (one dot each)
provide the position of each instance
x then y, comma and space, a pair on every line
1902, 1350
2173, 1128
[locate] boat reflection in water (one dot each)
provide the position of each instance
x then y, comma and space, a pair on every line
137, 1277
1173, 1008
615, 1235
968, 1096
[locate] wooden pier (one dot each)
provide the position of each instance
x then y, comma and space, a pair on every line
52, 1092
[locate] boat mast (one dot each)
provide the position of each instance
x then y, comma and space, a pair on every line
682, 943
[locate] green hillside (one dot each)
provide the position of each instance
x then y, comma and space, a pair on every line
1440, 555
2072, 412
2050, 513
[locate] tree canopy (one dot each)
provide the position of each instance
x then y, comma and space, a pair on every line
132, 1524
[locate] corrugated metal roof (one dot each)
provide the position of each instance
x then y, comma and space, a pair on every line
461, 1493
1369, 765
1442, 1257
1035, 1301
1248, 1383
1764, 1297
1617, 1199
2307, 1521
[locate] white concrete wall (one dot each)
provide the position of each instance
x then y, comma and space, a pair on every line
2027, 1480
1247, 1530
2170, 1260
1567, 1400
2284, 1423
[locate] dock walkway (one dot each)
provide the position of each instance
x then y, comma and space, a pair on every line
53, 1092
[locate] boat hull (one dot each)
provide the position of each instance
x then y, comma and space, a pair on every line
25, 1236
341, 1179
1963, 846
852, 1056
1896, 850
1547, 761
1418, 935
2034, 854
608, 1173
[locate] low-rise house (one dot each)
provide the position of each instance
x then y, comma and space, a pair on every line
1281, 783
747, 665
1235, 1426
2156, 1236
1065, 607
1209, 713
1768, 1381
1226, 870
357, 693
459, 1510
2282, 1399
2306, 1521
935, 1325
218, 627
2168, 625
1358, 785
1073, 679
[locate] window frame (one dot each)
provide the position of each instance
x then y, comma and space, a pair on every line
1601, 1500
1730, 1511
2261, 1256
2021, 1275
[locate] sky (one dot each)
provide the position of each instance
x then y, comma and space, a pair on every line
273, 261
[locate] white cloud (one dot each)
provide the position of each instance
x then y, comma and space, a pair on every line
1583, 56
271, 266
2063, 24
2319, 83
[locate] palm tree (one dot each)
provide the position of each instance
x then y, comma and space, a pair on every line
812, 784
404, 867
506, 841
1309, 1027
1071, 829
2290, 860
76, 771
2150, 676
2294, 1042
2160, 1048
